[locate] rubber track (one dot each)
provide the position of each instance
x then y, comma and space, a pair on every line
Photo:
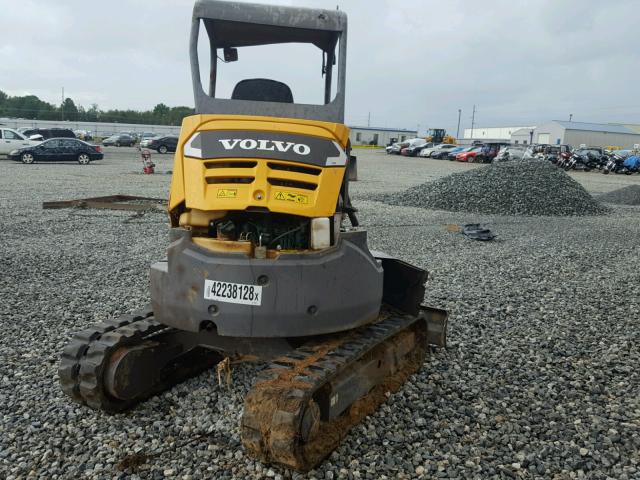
275, 407
83, 360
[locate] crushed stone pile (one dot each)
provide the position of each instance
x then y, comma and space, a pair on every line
629, 195
523, 187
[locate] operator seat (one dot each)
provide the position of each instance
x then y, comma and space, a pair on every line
262, 90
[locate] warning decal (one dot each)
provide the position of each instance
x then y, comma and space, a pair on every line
291, 197
227, 193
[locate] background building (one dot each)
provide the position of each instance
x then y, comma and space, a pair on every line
559, 132
522, 136
489, 134
379, 136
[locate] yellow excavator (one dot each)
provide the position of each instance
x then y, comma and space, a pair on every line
266, 258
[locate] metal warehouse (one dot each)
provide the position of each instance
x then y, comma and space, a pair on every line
379, 136
559, 132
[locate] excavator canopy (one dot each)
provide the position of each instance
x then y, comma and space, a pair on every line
230, 25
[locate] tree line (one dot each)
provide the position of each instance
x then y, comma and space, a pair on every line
31, 107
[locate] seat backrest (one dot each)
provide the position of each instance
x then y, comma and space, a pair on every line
262, 90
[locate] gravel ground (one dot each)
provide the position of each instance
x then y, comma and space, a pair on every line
629, 195
540, 379
522, 187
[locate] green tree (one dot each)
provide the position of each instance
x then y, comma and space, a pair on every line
69, 110
93, 113
178, 113
30, 106
161, 110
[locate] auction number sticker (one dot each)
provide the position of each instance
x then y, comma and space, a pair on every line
233, 292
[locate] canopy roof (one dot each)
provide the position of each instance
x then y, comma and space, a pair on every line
238, 24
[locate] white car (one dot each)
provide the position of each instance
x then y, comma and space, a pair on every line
426, 152
147, 140
11, 140
510, 153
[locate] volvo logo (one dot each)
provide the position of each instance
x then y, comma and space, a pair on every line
212, 144
265, 145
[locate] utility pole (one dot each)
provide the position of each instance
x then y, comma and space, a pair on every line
62, 106
369, 120
570, 116
458, 129
473, 120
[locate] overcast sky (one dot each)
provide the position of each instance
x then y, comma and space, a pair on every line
410, 62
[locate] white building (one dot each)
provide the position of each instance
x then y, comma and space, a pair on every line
379, 136
487, 134
522, 136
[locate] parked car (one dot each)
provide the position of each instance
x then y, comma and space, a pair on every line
83, 134
511, 152
58, 150
395, 148
46, 133
410, 143
164, 144
146, 135
442, 147
469, 155
531, 151
553, 153
119, 140
453, 155
487, 153
444, 153
415, 146
11, 140
133, 135
144, 143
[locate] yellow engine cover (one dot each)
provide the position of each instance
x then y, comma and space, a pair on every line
235, 162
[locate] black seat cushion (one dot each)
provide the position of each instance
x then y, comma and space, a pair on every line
262, 90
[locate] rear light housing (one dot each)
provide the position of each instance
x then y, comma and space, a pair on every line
98, 148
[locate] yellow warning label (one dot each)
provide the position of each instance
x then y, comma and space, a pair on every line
227, 193
291, 197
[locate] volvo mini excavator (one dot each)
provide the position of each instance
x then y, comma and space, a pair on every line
266, 258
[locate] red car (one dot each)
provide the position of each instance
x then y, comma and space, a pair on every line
468, 156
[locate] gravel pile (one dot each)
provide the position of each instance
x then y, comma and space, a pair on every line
524, 187
540, 379
629, 195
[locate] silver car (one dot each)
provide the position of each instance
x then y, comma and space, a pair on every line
144, 143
